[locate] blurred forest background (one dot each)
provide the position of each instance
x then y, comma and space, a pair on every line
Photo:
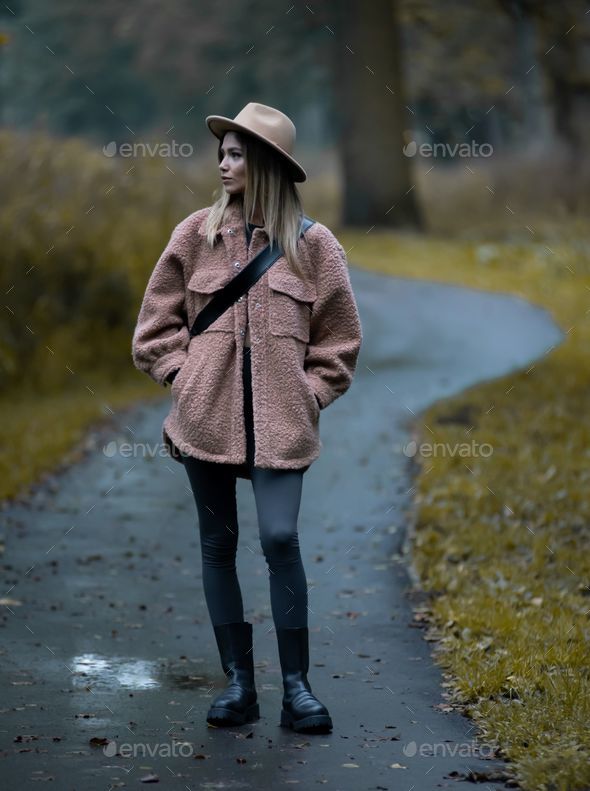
81, 228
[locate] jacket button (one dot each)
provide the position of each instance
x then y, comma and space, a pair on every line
258, 305
241, 332
237, 263
240, 298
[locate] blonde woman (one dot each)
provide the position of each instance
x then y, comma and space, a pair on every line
247, 392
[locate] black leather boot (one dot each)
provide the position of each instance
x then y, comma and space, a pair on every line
237, 703
302, 711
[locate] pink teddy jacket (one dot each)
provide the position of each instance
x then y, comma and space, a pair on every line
305, 335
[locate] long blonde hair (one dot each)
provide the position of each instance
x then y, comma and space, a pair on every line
268, 183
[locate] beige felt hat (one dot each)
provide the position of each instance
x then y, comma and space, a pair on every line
267, 124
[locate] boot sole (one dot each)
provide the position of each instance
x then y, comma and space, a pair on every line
316, 723
220, 716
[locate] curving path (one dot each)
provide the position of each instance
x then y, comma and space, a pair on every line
106, 633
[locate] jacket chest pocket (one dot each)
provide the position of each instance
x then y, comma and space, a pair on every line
290, 304
200, 290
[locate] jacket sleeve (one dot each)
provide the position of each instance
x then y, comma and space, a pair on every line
161, 336
335, 328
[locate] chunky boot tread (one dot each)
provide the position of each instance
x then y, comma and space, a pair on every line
222, 716
318, 723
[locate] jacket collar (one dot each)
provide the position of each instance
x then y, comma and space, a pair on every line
233, 224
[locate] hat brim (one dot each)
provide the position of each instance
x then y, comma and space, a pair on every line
219, 125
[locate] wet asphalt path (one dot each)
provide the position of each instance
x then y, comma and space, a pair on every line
106, 636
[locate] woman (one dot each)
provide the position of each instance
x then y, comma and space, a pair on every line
248, 390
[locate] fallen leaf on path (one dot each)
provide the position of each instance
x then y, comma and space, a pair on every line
98, 741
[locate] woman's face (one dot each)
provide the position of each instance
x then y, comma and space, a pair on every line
232, 167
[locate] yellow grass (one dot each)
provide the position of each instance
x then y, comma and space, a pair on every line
42, 432
501, 542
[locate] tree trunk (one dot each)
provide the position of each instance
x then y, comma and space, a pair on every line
370, 114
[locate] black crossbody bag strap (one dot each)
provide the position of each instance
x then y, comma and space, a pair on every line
226, 296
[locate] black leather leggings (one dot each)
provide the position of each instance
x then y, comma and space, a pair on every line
278, 497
